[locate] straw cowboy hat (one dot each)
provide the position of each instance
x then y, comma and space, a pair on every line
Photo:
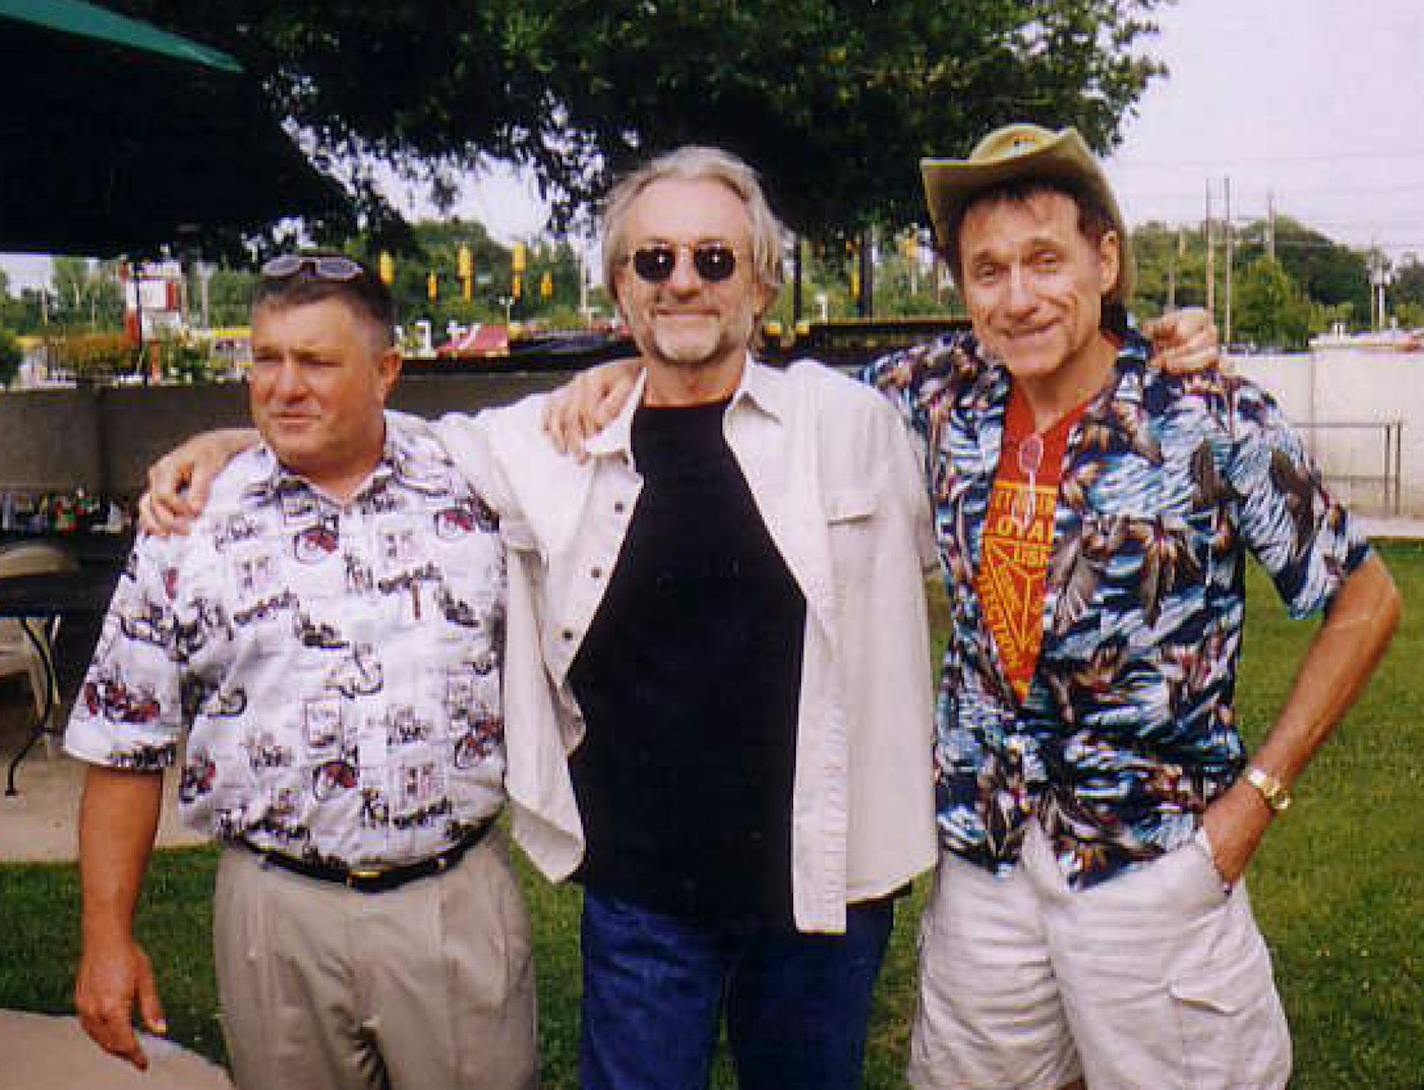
1024, 152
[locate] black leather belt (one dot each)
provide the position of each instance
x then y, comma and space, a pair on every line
376, 879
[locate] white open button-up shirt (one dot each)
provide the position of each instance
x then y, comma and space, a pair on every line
835, 477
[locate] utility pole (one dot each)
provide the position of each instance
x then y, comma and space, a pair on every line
1230, 249
866, 256
1379, 278
1210, 257
1172, 269
796, 281
1271, 225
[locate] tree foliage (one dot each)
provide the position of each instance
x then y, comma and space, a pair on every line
1271, 311
835, 100
1406, 293
86, 293
1328, 272
11, 356
1331, 278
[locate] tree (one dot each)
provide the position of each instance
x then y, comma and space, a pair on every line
11, 356
86, 293
1330, 273
12, 310
1171, 268
1270, 310
835, 100
1406, 292
230, 296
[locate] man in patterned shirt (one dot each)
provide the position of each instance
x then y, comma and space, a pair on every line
331, 639
1096, 805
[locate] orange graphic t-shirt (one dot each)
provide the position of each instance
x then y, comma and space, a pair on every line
1018, 537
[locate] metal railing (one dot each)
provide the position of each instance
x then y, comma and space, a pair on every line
1350, 468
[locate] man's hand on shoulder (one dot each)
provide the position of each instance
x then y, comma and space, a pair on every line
179, 482
1183, 341
587, 403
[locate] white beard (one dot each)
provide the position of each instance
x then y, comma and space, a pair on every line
695, 344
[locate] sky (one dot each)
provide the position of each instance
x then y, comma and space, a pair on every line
1315, 105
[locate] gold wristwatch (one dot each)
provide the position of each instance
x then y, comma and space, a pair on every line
1276, 794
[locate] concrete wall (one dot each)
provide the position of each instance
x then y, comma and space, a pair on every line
1353, 386
104, 439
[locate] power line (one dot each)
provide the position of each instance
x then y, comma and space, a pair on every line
1228, 162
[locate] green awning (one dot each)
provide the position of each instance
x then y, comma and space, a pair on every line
76, 17
118, 137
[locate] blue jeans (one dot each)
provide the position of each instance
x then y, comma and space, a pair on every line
655, 987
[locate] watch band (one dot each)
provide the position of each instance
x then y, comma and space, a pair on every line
1276, 794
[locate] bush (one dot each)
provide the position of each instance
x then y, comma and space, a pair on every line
93, 356
184, 361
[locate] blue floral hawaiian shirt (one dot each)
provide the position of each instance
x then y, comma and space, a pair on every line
1128, 731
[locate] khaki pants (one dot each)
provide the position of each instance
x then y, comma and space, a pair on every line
426, 987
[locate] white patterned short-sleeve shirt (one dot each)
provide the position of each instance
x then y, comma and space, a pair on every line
337, 666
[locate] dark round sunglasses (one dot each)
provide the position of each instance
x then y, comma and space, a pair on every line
322, 266
714, 261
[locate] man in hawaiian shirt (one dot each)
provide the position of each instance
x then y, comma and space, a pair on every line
331, 639
1097, 807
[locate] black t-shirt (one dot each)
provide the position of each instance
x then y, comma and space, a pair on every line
689, 679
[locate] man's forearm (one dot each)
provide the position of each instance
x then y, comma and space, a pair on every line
1340, 660
118, 820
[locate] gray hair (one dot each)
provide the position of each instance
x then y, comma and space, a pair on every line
695, 163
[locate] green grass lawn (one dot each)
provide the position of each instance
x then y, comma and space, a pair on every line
1338, 888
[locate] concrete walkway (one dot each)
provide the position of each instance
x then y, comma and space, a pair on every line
40, 824
44, 1052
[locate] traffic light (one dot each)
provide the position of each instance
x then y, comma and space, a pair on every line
520, 258
386, 268
546, 286
432, 286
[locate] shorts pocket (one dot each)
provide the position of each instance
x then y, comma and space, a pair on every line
1233, 1030
1214, 887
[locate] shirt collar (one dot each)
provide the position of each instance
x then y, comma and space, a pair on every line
281, 476
761, 386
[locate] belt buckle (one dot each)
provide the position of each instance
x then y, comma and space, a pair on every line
356, 875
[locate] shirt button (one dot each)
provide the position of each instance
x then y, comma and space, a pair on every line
618, 507
596, 573
568, 633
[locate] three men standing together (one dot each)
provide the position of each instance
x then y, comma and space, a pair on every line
716, 659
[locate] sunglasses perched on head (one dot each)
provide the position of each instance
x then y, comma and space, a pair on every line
321, 266
714, 261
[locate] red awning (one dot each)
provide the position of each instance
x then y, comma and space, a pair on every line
480, 340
